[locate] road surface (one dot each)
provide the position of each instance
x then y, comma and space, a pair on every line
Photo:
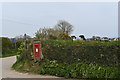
8, 72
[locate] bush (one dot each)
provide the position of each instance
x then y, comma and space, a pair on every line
77, 59
7, 44
104, 53
25, 62
78, 70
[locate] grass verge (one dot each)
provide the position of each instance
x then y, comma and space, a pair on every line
9, 53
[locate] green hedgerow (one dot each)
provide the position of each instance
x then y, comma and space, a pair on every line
79, 70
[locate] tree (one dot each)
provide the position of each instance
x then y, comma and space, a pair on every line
96, 38
82, 36
41, 34
64, 26
64, 36
53, 34
47, 33
50, 33
73, 37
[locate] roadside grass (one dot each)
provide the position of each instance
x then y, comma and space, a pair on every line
27, 66
11, 52
25, 63
75, 70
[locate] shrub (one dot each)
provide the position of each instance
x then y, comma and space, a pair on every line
77, 59
78, 70
104, 53
7, 44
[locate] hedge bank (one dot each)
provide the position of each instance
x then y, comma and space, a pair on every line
77, 59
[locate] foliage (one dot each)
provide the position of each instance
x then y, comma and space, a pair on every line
73, 59
64, 36
82, 36
64, 26
20, 49
61, 31
11, 52
41, 34
20, 39
73, 37
78, 70
25, 62
47, 33
104, 53
8, 47
51, 34
7, 44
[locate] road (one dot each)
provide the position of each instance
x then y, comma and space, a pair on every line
8, 72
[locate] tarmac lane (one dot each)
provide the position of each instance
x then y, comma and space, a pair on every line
8, 72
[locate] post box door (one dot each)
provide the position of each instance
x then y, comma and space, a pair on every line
37, 50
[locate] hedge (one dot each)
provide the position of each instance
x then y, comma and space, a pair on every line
7, 44
79, 70
96, 52
77, 59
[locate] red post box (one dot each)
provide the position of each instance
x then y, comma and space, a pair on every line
37, 49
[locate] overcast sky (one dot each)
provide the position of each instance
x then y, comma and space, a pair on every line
87, 18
